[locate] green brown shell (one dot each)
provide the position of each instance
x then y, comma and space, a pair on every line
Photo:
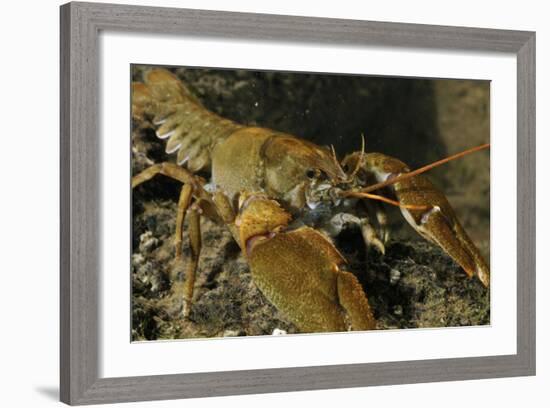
191, 130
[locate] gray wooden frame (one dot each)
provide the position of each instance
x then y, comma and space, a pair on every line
80, 234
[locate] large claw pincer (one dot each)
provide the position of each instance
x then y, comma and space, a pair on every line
428, 211
300, 271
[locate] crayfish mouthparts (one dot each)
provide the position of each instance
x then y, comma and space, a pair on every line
324, 193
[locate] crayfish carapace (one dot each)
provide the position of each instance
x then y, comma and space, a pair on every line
283, 199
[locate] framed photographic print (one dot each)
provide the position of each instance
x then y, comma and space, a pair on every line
322, 189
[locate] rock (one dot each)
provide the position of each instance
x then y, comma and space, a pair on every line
398, 310
233, 333
395, 275
147, 242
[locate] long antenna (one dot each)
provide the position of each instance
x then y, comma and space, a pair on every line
389, 201
416, 172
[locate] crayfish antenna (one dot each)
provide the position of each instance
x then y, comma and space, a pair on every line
350, 177
360, 194
360, 161
335, 159
421, 170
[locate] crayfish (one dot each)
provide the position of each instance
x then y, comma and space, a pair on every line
284, 201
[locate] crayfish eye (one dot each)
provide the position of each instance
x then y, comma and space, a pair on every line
311, 173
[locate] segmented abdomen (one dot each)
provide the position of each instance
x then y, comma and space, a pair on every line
191, 130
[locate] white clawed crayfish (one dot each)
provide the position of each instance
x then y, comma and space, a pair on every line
281, 197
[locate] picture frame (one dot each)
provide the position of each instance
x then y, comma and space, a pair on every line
81, 24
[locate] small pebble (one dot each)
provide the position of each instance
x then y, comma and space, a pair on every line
147, 242
398, 310
231, 333
395, 275
137, 259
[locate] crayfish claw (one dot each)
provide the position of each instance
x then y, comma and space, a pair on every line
443, 228
354, 301
299, 271
428, 211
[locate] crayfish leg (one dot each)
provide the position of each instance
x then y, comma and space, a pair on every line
191, 190
186, 195
192, 264
371, 236
383, 229
167, 169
